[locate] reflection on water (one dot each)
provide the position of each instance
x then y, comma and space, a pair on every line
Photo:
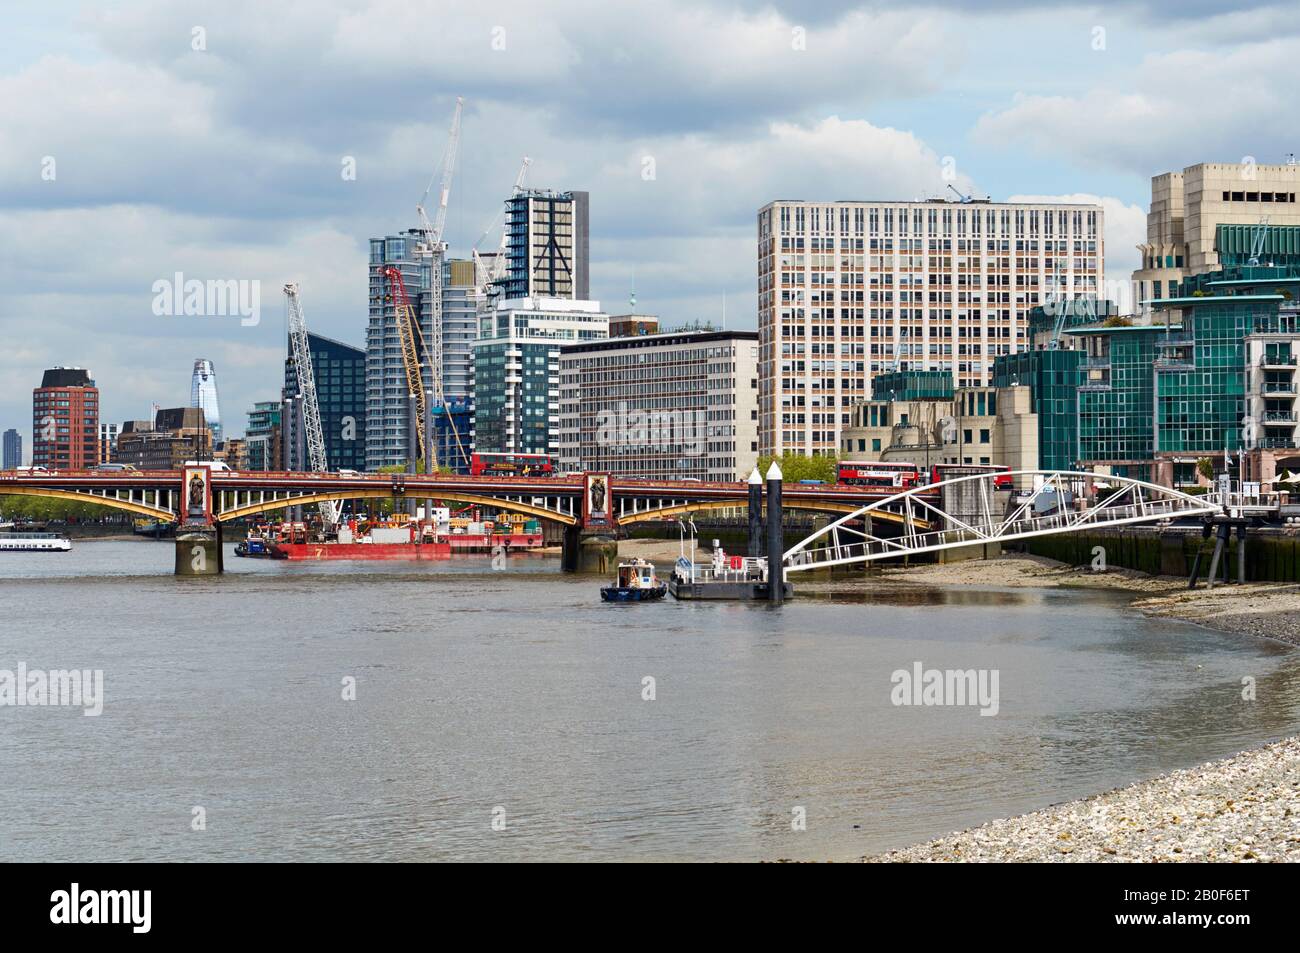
521, 690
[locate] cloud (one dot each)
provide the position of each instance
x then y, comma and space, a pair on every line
1170, 111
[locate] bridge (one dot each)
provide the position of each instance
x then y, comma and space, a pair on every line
592, 507
239, 494
200, 499
970, 510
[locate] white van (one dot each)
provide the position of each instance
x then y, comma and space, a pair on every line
215, 465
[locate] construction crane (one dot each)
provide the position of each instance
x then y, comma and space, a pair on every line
302, 367
1257, 241
412, 341
487, 273
435, 248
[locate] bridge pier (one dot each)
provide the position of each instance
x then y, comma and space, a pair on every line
199, 550
588, 552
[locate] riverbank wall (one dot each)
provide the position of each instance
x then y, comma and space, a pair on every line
1271, 556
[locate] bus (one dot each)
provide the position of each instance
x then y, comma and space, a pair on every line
891, 475
511, 464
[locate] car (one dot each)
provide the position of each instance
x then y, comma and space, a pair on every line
343, 471
32, 470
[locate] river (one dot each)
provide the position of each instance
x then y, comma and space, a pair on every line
501, 715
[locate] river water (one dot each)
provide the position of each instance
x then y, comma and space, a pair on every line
516, 697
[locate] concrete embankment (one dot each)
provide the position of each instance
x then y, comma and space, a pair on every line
1245, 808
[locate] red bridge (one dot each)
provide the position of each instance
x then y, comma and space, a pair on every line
231, 495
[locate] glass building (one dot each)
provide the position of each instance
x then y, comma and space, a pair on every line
517, 370
340, 373
203, 394
13, 449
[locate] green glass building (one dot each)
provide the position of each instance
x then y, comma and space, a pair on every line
912, 385
1052, 377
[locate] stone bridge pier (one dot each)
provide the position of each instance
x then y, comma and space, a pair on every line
199, 550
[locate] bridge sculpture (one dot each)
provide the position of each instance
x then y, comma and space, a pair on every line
969, 510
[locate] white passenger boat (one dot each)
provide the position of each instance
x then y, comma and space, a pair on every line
11, 542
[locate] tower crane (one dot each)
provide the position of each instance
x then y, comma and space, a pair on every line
486, 273
412, 341
435, 247
314, 433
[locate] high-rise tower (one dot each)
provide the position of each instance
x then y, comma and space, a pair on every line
203, 394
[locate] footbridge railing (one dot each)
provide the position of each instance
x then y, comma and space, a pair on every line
976, 509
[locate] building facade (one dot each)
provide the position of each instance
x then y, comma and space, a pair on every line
661, 406
1209, 216
107, 442
388, 414
65, 420
262, 437
175, 435
517, 370
12, 450
847, 290
203, 394
340, 373
547, 245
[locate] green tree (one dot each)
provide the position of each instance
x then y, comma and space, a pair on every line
796, 467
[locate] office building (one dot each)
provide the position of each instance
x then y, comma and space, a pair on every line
1217, 215
517, 370
919, 417
107, 442
175, 435
388, 409
65, 420
340, 373
262, 437
12, 450
661, 406
848, 290
203, 394
547, 245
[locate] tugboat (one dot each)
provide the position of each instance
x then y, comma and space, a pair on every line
257, 546
636, 583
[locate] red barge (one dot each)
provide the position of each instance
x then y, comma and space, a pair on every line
398, 539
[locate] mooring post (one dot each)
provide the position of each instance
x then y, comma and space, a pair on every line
755, 513
775, 541
1241, 554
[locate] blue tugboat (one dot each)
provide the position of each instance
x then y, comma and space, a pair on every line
636, 583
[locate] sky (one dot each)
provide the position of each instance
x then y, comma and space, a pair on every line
262, 142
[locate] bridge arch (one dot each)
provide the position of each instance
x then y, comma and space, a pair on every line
1135, 501
254, 508
138, 507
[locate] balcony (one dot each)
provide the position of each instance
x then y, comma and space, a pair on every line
1277, 389
1280, 418
1278, 362
1096, 364
1176, 339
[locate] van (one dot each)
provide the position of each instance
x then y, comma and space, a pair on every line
215, 465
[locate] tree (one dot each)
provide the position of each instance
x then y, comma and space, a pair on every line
796, 467
1205, 467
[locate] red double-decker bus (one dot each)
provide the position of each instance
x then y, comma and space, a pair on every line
892, 475
511, 464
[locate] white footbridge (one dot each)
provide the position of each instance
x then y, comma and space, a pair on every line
981, 508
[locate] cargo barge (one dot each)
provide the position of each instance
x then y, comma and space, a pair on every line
396, 539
